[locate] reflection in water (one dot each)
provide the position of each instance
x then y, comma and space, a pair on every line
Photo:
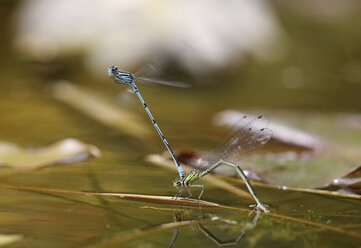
199, 228
175, 235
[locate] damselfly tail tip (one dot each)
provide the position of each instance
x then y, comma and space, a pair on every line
176, 183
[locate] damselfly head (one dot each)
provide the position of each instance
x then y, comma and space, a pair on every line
112, 70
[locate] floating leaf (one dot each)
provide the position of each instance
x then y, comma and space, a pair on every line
64, 151
350, 182
351, 179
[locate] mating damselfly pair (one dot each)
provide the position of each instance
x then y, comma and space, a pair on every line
252, 135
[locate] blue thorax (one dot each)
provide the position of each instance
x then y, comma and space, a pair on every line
119, 76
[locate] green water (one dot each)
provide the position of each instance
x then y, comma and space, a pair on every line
32, 117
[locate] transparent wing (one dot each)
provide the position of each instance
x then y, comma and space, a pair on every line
249, 134
157, 81
150, 70
125, 98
